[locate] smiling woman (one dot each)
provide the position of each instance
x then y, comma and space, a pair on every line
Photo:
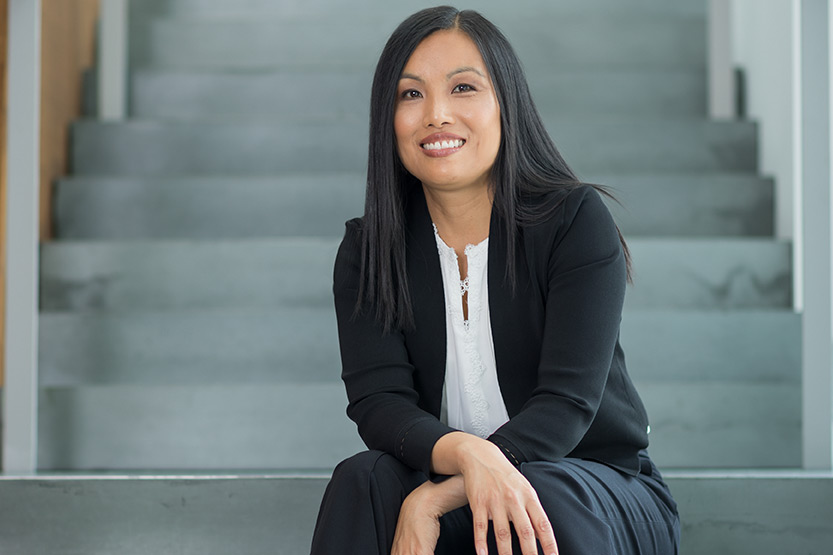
447, 117
478, 303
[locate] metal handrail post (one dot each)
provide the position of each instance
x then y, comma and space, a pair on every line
20, 402
112, 60
817, 317
721, 76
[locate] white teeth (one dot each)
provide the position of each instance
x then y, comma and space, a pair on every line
443, 145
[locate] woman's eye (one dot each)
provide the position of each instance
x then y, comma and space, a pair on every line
463, 88
410, 93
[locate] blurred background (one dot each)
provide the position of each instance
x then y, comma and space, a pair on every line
175, 179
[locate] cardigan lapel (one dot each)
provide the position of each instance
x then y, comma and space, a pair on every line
516, 318
427, 343
500, 306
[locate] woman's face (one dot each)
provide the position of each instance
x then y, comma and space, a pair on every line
447, 118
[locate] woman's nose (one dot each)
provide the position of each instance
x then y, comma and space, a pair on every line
438, 112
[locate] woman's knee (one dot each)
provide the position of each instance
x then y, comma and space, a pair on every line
556, 484
358, 467
375, 471
596, 509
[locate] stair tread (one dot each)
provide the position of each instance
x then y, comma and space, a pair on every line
740, 512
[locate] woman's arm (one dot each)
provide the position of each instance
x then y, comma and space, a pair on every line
419, 518
496, 491
585, 280
377, 371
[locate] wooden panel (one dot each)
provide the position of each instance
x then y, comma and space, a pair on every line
68, 48
4, 12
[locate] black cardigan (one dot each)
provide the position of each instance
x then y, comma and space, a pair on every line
560, 367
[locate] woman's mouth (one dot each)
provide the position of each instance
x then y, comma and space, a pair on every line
443, 145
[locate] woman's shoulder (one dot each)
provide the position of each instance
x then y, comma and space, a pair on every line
348, 258
353, 231
555, 212
353, 226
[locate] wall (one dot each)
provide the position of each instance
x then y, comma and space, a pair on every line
765, 45
68, 48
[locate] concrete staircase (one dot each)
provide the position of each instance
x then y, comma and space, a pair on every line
187, 322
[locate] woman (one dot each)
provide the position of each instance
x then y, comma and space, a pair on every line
478, 304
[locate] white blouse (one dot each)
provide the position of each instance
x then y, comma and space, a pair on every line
471, 395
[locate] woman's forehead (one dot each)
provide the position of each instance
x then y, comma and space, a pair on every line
445, 54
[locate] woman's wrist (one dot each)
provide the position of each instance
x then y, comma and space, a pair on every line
437, 499
453, 452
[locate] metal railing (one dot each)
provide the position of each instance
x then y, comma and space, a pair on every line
817, 316
112, 61
20, 402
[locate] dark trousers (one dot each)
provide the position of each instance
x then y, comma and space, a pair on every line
594, 509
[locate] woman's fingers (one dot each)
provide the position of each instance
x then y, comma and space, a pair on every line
503, 533
525, 532
543, 529
527, 517
480, 518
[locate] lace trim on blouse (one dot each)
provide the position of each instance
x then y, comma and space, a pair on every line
474, 371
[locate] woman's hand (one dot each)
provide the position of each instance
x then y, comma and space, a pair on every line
496, 491
419, 517
417, 532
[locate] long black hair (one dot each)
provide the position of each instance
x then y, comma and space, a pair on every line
528, 165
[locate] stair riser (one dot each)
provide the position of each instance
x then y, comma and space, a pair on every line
291, 426
301, 345
149, 149
298, 273
723, 424
395, 12
208, 427
710, 274
319, 204
292, 95
541, 41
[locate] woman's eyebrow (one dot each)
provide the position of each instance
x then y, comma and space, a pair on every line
410, 76
464, 70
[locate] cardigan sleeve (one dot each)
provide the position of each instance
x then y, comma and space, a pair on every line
586, 277
377, 371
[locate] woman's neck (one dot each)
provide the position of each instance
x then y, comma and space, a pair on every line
462, 217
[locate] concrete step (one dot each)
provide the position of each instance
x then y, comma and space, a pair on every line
740, 512
146, 148
541, 38
701, 345
723, 424
725, 273
297, 272
290, 425
290, 94
395, 12
300, 345
239, 424
698, 204
190, 347
318, 204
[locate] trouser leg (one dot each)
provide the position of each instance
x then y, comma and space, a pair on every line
594, 509
597, 510
361, 504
